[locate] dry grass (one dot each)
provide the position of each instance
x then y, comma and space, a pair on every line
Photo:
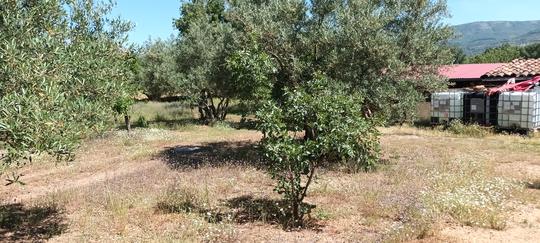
207, 184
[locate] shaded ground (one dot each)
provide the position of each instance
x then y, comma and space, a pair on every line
111, 192
37, 223
240, 153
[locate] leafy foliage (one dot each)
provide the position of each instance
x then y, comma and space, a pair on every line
503, 53
506, 53
459, 55
158, 70
204, 44
334, 133
63, 67
370, 45
251, 81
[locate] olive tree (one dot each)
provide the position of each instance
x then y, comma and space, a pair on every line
63, 66
205, 42
159, 74
328, 71
380, 57
251, 77
377, 47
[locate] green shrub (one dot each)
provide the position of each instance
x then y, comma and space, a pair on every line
160, 118
333, 129
142, 122
473, 130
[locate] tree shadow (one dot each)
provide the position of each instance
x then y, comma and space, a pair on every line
533, 185
246, 209
423, 123
243, 210
30, 224
242, 153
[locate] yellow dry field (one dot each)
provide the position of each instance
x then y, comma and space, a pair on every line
208, 184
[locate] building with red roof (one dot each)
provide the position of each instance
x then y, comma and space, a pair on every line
490, 74
466, 75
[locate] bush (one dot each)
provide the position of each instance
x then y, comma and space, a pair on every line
142, 122
472, 130
333, 130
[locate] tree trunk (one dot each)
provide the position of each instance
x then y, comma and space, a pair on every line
128, 123
208, 110
296, 213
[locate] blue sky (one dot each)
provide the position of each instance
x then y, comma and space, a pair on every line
153, 18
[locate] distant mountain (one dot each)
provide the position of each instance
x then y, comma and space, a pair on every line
475, 37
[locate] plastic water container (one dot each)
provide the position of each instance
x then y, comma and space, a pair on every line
446, 106
519, 110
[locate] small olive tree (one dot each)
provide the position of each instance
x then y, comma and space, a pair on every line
122, 107
336, 133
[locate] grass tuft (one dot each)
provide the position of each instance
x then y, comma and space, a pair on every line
470, 130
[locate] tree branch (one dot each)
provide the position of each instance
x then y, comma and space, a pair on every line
308, 182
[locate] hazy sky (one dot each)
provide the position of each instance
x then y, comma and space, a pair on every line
153, 18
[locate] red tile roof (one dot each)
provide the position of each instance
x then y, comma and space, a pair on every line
468, 71
516, 68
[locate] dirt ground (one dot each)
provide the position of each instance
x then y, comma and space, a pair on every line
113, 190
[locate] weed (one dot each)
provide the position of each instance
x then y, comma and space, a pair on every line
180, 199
322, 214
160, 118
141, 122
464, 191
471, 130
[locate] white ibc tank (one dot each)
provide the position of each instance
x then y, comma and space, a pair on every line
447, 106
519, 110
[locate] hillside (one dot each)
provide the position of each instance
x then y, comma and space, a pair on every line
478, 36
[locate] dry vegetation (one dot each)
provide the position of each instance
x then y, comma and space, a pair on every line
197, 183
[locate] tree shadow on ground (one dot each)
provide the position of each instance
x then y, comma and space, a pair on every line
243, 210
246, 209
213, 154
19, 223
533, 184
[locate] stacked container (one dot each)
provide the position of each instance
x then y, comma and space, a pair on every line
446, 106
519, 110
479, 108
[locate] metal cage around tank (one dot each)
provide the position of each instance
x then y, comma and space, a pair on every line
506, 110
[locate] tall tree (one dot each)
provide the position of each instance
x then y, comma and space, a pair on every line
64, 65
376, 46
158, 75
335, 59
205, 42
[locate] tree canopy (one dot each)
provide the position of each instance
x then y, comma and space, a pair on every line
158, 74
327, 71
376, 46
506, 53
63, 66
